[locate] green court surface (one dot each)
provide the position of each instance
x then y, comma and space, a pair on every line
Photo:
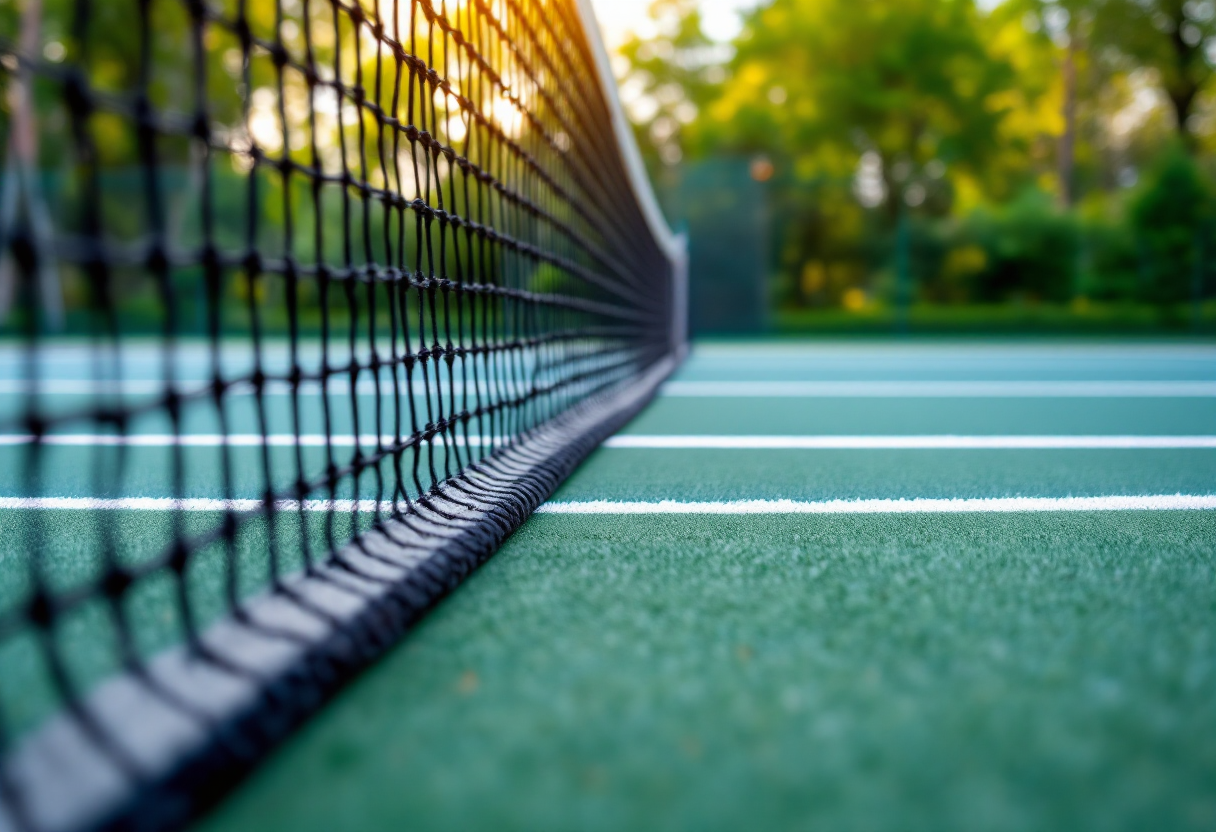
982, 670
870, 654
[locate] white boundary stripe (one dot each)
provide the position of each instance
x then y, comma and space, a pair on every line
627, 441
688, 389
911, 442
215, 440
171, 504
940, 389
151, 387
999, 505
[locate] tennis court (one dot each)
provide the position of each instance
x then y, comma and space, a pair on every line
1044, 665
356, 472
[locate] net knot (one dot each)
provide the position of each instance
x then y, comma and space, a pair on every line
116, 582
24, 250
201, 127
35, 426
158, 260
244, 34
41, 609
77, 94
179, 556
115, 417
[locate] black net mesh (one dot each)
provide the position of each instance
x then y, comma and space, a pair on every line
272, 274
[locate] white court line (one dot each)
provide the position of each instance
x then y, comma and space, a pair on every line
997, 505
783, 443
215, 440
911, 442
187, 387
686, 389
940, 389
189, 504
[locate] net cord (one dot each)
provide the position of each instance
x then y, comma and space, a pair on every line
674, 246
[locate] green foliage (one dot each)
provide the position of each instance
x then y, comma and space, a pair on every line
675, 74
1172, 38
823, 82
1031, 249
1171, 217
1007, 136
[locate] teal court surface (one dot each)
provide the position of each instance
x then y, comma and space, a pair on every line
870, 586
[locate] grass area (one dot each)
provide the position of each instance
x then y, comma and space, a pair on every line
1015, 672
1088, 318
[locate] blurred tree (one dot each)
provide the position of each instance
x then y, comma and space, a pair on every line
1171, 216
823, 83
669, 78
1176, 39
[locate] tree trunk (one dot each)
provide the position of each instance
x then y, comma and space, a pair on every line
1183, 89
1182, 99
1068, 141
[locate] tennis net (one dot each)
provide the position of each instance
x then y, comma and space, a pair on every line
305, 305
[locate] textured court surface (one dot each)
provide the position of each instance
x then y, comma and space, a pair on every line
1046, 670
973, 671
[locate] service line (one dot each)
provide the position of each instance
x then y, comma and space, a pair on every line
940, 389
232, 440
995, 505
932, 442
631, 441
673, 389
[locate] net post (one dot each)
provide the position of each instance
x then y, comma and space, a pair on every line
679, 299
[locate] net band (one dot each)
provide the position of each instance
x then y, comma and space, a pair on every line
339, 293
